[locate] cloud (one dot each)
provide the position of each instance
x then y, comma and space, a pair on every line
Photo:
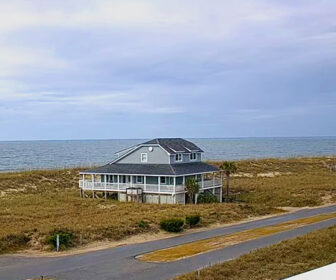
212, 68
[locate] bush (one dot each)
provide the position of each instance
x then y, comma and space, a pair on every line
207, 197
13, 242
66, 238
172, 225
143, 224
193, 220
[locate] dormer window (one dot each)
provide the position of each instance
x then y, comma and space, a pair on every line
178, 157
143, 157
193, 156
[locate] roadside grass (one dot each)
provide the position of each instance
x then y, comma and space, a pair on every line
219, 242
34, 204
278, 261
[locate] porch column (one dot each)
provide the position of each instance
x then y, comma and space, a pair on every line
174, 184
118, 183
221, 187
159, 188
105, 185
93, 182
213, 179
145, 182
202, 180
82, 186
221, 194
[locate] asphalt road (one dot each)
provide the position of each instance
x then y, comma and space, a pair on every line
120, 262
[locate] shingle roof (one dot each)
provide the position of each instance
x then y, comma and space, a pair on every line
175, 145
153, 169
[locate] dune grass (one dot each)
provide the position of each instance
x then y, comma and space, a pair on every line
219, 242
33, 204
279, 261
294, 182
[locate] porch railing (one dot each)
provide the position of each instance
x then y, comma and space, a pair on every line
150, 188
211, 183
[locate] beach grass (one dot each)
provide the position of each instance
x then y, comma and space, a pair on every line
34, 204
294, 182
279, 261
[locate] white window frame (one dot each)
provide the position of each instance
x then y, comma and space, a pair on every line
144, 159
178, 157
193, 156
139, 181
165, 180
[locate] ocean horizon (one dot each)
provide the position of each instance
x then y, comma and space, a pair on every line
49, 154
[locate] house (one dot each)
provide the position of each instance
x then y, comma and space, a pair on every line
153, 172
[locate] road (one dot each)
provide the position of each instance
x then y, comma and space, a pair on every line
120, 262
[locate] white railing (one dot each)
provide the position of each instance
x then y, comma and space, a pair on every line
150, 188
211, 183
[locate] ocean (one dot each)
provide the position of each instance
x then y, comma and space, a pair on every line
27, 155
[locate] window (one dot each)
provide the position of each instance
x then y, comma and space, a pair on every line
162, 180
178, 157
139, 179
193, 156
143, 157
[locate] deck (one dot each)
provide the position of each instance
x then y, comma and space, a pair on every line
147, 188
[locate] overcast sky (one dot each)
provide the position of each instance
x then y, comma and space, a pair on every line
141, 69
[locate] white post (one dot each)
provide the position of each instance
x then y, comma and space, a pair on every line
184, 197
221, 195
105, 184
145, 182
202, 181
57, 242
221, 187
82, 188
83, 180
159, 184
213, 179
159, 188
118, 183
93, 182
174, 184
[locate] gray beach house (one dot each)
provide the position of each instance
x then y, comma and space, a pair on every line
153, 172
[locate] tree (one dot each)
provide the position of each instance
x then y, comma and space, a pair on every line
228, 167
192, 187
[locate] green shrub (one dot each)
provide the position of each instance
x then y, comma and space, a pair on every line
193, 220
66, 238
172, 225
207, 197
143, 224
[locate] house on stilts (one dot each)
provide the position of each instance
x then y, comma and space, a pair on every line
153, 172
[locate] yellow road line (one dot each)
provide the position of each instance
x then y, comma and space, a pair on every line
219, 242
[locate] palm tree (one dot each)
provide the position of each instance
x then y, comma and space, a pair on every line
192, 187
228, 167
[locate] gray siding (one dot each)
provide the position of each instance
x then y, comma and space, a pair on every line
157, 156
185, 158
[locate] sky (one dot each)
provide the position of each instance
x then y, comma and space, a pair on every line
142, 69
